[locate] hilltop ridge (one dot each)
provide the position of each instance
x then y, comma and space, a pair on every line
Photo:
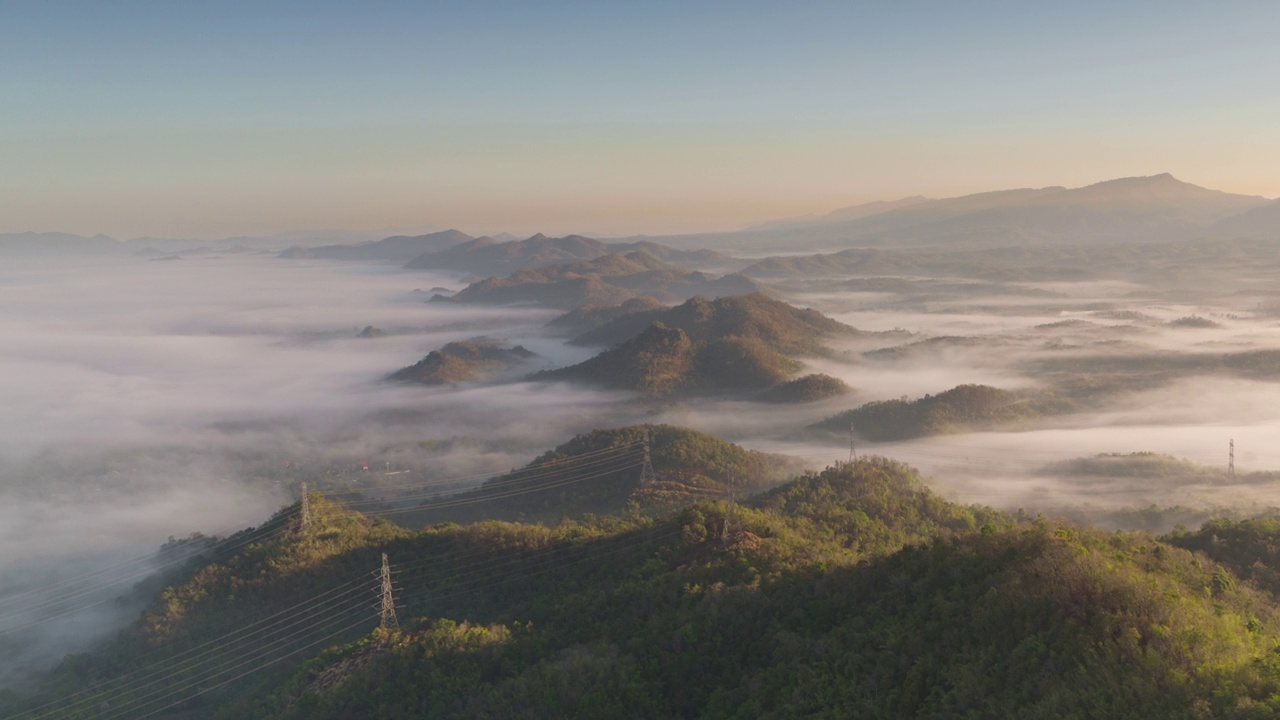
733, 344
817, 596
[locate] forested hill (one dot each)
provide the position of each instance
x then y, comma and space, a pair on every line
731, 344
462, 361
755, 316
854, 592
605, 280
964, 407
600, 472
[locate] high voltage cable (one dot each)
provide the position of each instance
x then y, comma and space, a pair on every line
194, 663
172, 658
479, 476
266, 536
253, 537
234, 528
103, 586
499, 496
269, 663
924, 453
545, 551
471, 573
516, 480
285, 528
454, 594
240, 526
220, 670
549, 551
231, 634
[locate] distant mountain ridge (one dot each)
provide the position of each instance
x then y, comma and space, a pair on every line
1125, 210
756, 316
397, 248
605, 280
485, 256
689, 466
1141, 209
1262, 222
852, 212
56, 243
59, 243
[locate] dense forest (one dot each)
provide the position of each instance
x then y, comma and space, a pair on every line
853, 592
462, 361
964, 407
709, 346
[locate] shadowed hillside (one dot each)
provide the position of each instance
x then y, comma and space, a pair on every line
854, 592
484, 256
606, 280
712, 346
661, 361
399, 248
787, 328
600, 473
962, 408
462, 361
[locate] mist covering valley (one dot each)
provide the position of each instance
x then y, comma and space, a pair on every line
148, 400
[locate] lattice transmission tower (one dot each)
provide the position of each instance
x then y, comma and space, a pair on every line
647, 475
387, 615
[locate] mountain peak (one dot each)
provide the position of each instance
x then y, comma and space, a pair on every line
1140, 188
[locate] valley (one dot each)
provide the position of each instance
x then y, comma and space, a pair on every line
628, 478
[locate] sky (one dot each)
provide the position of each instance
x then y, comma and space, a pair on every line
217, 119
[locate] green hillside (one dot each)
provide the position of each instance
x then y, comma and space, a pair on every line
854, 592
599, 473
964, 407
756, 316
1249, 548
462, 361
590, 317
662, 361
809, 388
729, 344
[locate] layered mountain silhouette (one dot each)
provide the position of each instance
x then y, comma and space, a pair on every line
853, 212
462, 361
755, 316
1262, 221
1154, 208
398, 248
589, 317
734, 344
56, 243
606, 280
486, 256
1128, 210
689, 466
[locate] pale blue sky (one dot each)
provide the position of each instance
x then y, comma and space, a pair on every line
219, 118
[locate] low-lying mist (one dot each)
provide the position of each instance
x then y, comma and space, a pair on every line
147, 400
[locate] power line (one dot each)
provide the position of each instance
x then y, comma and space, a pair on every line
251, 535
212, 668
